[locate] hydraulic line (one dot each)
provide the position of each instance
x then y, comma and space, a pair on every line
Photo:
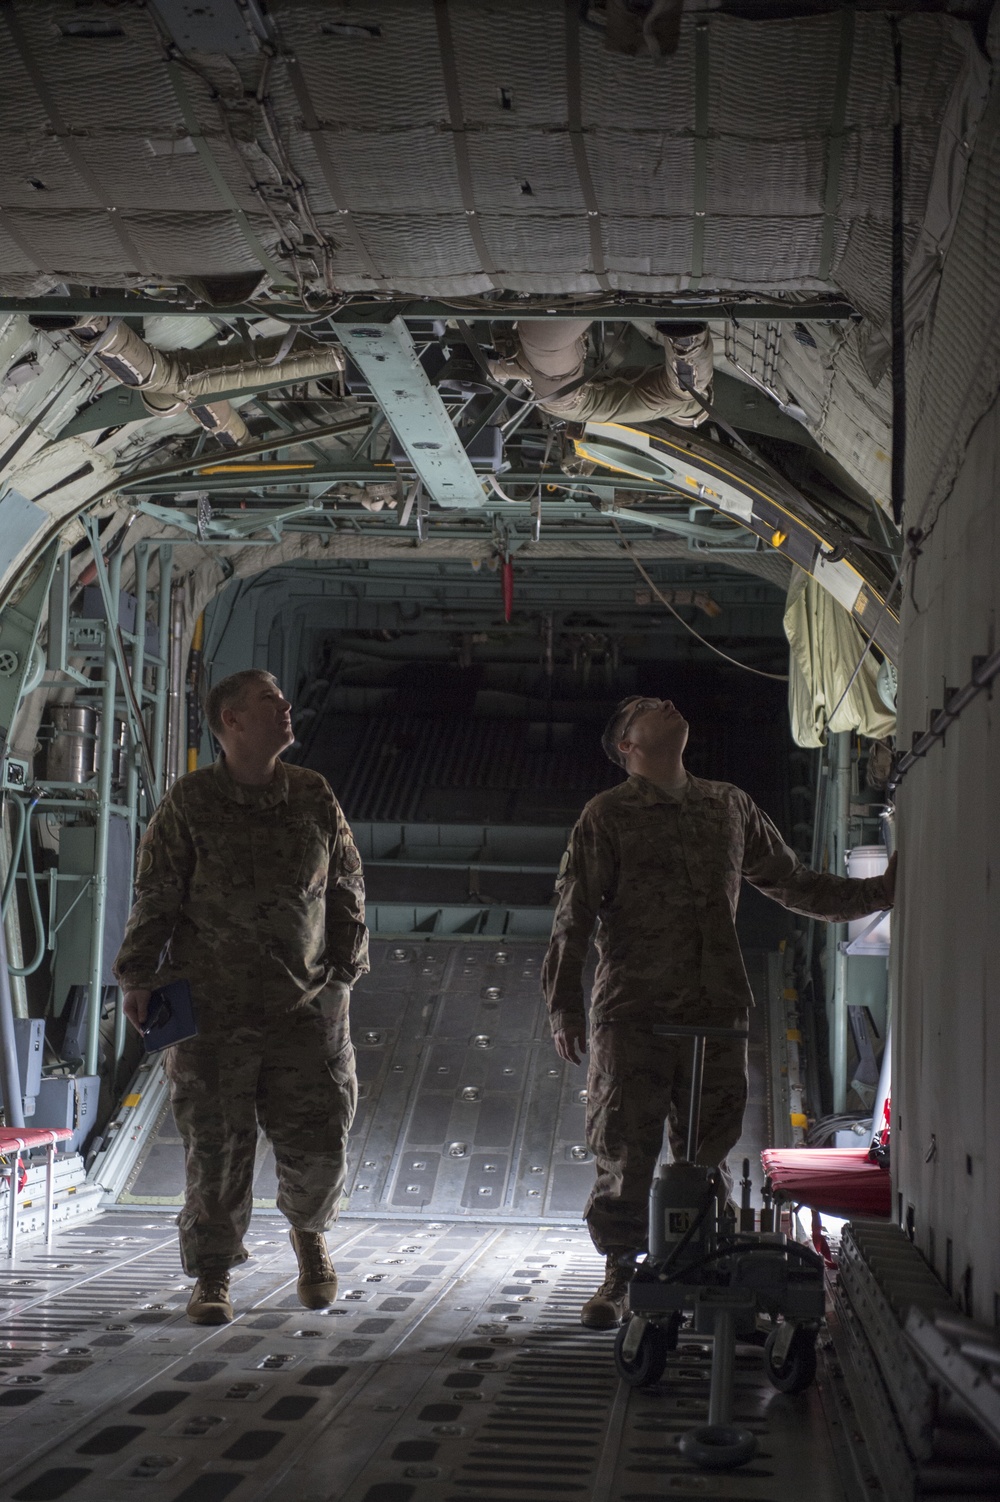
22, 841
187, 380
15, 855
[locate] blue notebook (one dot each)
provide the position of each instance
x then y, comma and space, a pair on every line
170, 1018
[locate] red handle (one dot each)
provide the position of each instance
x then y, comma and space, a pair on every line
507, 577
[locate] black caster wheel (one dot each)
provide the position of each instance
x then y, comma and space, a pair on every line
798, 1370
717, 1447
649, 1362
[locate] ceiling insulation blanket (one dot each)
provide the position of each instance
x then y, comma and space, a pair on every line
471, 147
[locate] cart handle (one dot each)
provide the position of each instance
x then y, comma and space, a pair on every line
698, 1035
663, 1031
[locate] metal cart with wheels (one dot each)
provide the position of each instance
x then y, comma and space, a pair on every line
700, 1269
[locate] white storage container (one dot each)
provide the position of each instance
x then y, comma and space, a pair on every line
868, 860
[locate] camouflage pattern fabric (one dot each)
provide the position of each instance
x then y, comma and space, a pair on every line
247, 890
256, 897
661, 879
634, 1085
659, 874
294, 1075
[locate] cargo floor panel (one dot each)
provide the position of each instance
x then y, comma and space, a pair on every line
452, 1365
464, 1108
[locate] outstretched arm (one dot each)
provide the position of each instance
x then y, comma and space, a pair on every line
775, 870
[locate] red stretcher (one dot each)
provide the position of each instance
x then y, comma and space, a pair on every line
13, 1142
842, 1181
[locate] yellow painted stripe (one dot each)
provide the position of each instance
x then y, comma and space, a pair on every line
793, 1035
797, 1119
131, 1100
243, 469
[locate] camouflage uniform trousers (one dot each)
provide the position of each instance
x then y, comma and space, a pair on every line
636, 1082
292, 1073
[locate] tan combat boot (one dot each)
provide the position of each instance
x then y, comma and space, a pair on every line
209, 1302
317, 1285
604, 1309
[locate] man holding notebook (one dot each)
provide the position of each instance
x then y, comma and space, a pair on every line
249, 887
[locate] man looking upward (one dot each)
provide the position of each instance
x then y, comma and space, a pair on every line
249, 887
657, 863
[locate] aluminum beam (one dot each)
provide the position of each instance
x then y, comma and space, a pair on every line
387, 357
751, 305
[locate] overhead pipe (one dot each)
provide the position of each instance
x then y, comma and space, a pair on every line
185, 380
551, 356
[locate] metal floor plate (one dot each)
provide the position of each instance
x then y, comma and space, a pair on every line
464, 1109
452, 1367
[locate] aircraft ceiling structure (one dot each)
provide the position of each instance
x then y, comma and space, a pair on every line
391, 187
241, 185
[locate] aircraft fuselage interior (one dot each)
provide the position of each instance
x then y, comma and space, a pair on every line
583, 417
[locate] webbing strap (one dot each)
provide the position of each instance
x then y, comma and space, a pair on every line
574, 104
65, 138
835, 147
700, 186
456, 116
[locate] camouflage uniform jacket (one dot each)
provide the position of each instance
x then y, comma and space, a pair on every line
253, 893
662, 879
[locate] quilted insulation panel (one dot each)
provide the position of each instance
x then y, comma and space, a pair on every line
468, 146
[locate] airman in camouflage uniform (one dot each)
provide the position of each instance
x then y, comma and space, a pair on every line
659, 870
255, 896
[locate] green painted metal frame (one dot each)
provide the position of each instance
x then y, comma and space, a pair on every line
119, 682
19, 626
387, 357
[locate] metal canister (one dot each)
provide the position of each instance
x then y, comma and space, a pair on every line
72, 742
676, 1201
119, 755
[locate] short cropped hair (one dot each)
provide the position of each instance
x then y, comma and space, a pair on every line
614, 727
228, 692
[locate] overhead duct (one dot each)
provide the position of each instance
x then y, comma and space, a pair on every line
184, 380
551, 356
